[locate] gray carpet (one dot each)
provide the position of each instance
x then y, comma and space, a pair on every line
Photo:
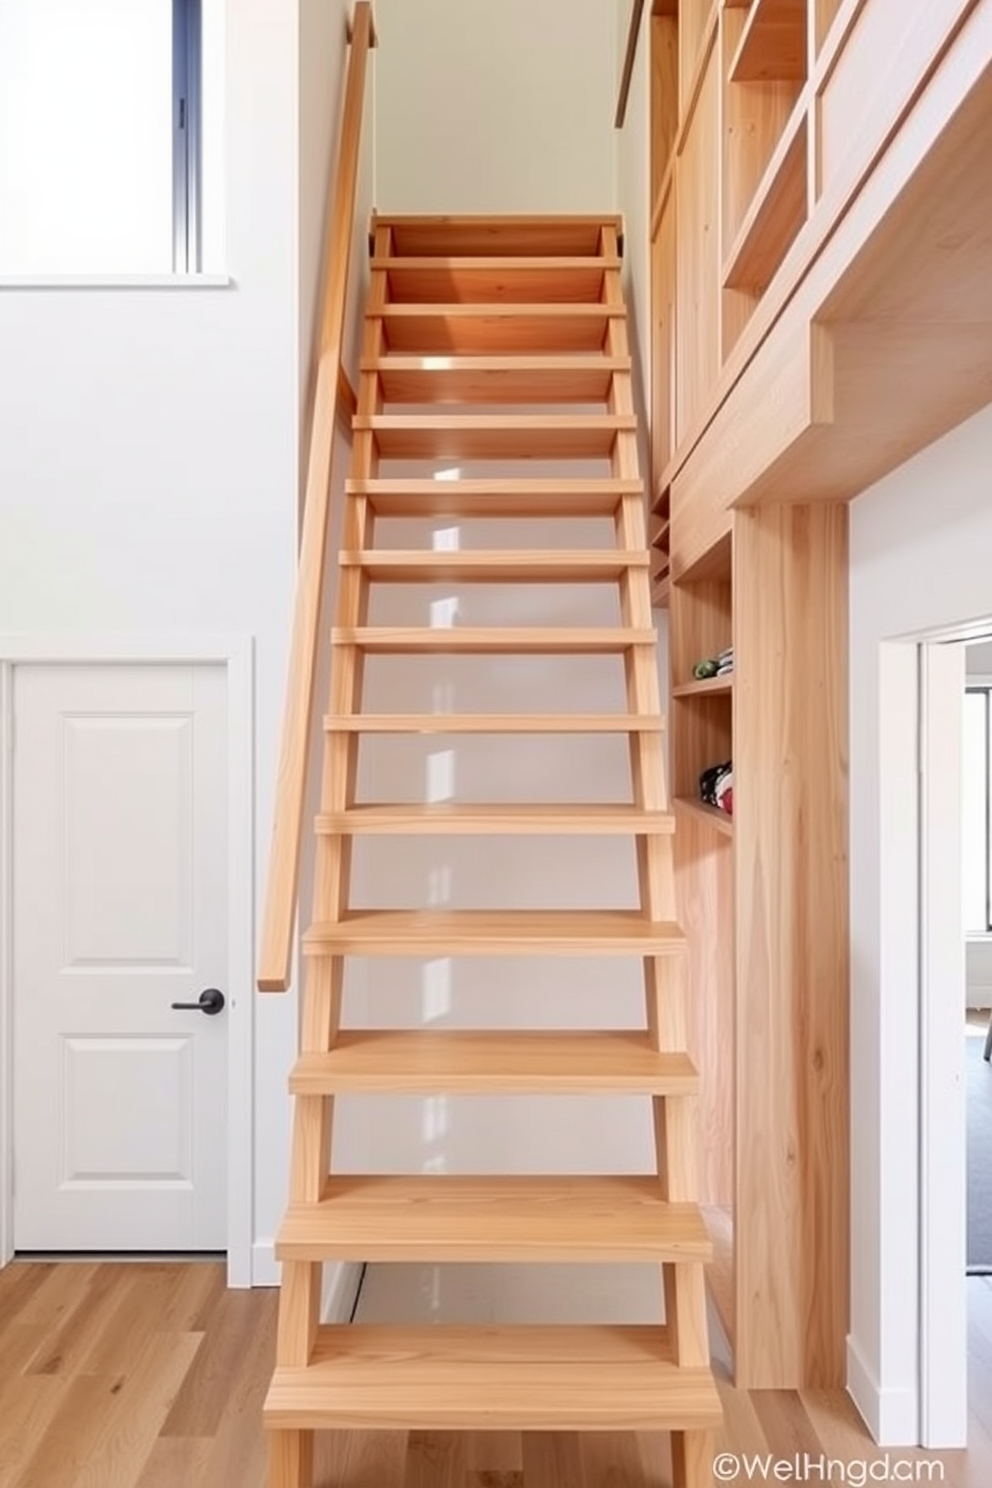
979, 1160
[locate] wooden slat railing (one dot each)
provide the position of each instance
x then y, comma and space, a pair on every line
275, 958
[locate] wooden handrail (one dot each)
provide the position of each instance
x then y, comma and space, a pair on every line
633, 34
275, 958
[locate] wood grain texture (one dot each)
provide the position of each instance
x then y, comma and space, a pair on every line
442, 1378
495, 723
496, 379
697, 186
704, 879
910, 145
664, 98
754, 118
495, 329
494, 436
790, 845
232, 1449
432, 1218
449, 818
512, 497
474, 279
558, 1063
776, 213
507, 236
496, 566
532, 932
500, 640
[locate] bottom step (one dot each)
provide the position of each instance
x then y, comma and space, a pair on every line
492, 1379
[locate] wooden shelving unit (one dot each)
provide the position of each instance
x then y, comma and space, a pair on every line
776, 215
705, 687
773, 45
813, 186
730, 195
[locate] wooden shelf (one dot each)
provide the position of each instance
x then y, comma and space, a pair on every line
716, 565
712, 814
773, 44
776, 214
706, 687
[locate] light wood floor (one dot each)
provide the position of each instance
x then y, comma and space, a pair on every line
152, 1376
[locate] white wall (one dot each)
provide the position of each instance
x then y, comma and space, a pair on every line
496, 105
148, 444
918, 564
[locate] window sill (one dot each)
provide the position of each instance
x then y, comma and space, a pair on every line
978, 937
115, 281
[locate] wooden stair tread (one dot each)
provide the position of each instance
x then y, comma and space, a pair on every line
495, 498
500, 566
511, 1378
496, 379
501, 1219
498, 819
482, 330
478, 278
538, 234
495, 723
493, 641
518, 436
553, 1062
493, 932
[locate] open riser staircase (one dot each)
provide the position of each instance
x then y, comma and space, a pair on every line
520, 315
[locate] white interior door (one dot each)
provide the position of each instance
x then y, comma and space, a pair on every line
120, 910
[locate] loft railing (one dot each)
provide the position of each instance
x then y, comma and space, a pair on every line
331, 395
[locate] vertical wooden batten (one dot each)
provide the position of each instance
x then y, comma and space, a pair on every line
791, 912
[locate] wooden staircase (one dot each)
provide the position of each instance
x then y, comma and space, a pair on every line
463, 315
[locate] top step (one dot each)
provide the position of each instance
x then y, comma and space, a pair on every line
430, 237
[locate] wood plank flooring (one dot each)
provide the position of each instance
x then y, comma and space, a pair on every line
152, 1375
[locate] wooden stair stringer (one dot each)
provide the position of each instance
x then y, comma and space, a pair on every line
527, 340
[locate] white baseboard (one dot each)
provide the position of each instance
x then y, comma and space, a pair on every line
341, 1283
264, 1266
890, 1415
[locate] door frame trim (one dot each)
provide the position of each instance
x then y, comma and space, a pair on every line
235, 652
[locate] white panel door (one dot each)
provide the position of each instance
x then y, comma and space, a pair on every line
120, 910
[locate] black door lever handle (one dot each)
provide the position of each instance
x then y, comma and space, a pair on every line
211, 1002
